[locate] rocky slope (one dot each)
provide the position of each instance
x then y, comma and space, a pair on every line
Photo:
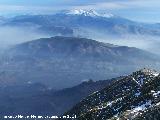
134, 97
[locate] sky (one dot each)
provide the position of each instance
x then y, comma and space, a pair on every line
139, 10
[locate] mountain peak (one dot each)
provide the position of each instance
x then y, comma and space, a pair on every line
144, 75
148, 71
91, 13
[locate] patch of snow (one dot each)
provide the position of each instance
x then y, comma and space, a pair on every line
142, 107
156, 74
156, 94
152, 91
83, 12
110, 103
89, 13
117, 109
136, 81
136, 110
119, 99
137, 94
158, 104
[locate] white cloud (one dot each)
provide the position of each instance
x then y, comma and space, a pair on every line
120, 4
94, 4
104, 5
9, 9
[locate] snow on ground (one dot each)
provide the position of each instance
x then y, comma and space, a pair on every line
142, 107
156, 74
137, 94
157, 104
156, 94
135, 80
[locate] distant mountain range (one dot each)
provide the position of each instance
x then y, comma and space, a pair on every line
83, 23
134, 97
101, 26
61, 62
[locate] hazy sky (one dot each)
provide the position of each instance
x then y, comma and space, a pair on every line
140, 10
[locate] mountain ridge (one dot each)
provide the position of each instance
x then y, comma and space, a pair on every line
83, 23
127, 98
77, 58
37, 99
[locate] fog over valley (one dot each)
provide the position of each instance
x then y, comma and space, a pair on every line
15, 35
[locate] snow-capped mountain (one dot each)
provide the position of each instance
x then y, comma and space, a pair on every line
91, 13
134, 97
83, 23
